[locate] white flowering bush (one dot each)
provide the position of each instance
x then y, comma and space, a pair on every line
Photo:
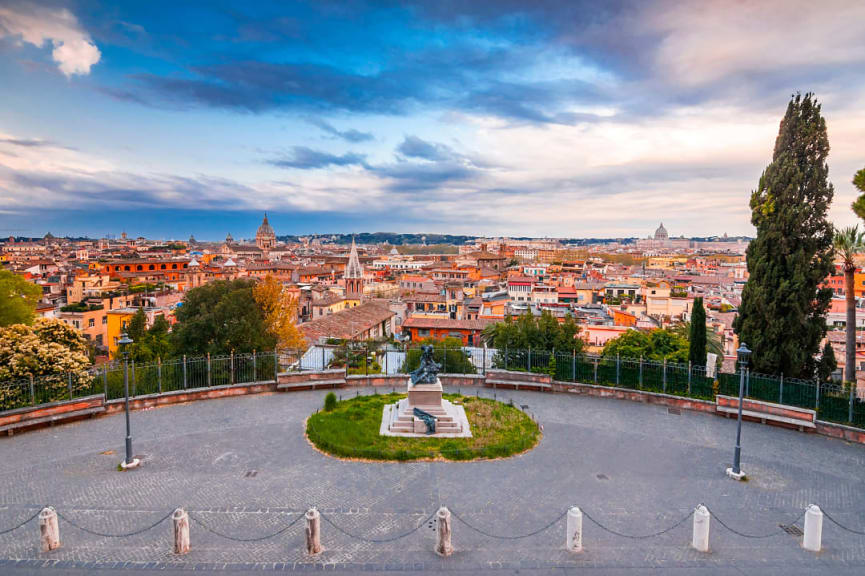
51, 352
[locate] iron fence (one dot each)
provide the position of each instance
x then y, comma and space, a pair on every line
833, 402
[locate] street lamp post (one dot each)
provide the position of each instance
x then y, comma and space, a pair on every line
743, 354
129, 462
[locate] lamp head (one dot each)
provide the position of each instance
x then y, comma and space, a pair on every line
743, 354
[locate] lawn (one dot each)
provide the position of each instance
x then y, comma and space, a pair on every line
351, 430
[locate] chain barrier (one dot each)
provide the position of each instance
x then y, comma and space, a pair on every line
499, 537
237, 539
779, 530
633, 536
14, 528
378, 540
841, 526
105, 535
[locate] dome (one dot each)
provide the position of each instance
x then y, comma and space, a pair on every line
265, 238
661, 233
265, 228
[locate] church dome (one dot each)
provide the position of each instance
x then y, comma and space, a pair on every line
265, 238
661, 233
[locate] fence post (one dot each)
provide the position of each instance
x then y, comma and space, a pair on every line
184, 371
159, 374
529, 369
484, 365
813, 529
208, 371
385, 358
134, 379
596, 371
33, 392
254, 368
574, 535
689, 377
665, 376
232, 366
275, 365
574, 365
507, 357
817, 400
105, 380
443, 532
618, 368
49, 529
313, 531
640, 384
181, 531
69, 383
700, 538
850, 409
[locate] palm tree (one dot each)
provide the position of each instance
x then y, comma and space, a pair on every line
847, 243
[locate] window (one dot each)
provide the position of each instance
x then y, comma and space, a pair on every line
91, 323
104, 320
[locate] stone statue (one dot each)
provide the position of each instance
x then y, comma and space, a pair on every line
427, 418
427, 372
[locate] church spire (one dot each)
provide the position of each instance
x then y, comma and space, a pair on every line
353, 269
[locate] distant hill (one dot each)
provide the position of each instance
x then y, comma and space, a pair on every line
391, 238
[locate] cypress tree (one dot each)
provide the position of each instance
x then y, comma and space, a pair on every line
697, 336
827, 363
781, 317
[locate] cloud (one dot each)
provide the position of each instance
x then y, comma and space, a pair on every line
304, 158
351, 135
414, 147
73, 49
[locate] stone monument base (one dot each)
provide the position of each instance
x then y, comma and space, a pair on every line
399, 419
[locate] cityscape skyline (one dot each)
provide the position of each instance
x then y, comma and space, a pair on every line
492, 119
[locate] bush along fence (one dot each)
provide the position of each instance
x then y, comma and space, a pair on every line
832, 402
319, 526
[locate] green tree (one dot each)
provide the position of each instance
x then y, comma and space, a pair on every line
847, 243
447, 352
219, 317
827, 363
859, 183
781, 317
542, 332
137, 326
697, 336
18, 299
658, 344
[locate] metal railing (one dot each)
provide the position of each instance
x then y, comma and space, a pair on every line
833, 402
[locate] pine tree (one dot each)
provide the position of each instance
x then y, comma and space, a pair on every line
827, 363
781, 317
697, 337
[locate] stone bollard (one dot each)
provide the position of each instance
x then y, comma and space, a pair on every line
443, 532
181, 531
700, 540
813, 538
313, 532
49, 529
574, 536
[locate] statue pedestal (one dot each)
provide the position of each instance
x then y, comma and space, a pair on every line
399, 419
425, 396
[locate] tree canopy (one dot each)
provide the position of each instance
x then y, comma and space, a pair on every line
280, 312
658, 345
219, 317
697, 336
542, 332
781, 317
18, 299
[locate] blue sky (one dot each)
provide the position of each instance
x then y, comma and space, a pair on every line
577, 119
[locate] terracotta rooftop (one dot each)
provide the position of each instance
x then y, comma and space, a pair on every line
347, 324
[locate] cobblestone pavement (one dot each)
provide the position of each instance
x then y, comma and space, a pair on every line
243, 469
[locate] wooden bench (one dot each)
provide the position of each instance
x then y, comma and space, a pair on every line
50, 414
334, 378
767, 411
513, 380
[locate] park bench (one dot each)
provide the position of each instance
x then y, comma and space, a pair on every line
513, 380
767, 411
311, 380
50, 414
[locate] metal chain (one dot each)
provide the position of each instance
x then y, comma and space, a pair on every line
499, 537
636, 537
379, 540
8, 530
776, 532
841, 526
236, 539
124, 535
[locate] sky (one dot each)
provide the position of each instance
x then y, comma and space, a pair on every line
494, 117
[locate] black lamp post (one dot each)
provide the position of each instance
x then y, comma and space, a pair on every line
124, 343
743, 355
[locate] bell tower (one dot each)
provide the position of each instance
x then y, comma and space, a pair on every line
353, 275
